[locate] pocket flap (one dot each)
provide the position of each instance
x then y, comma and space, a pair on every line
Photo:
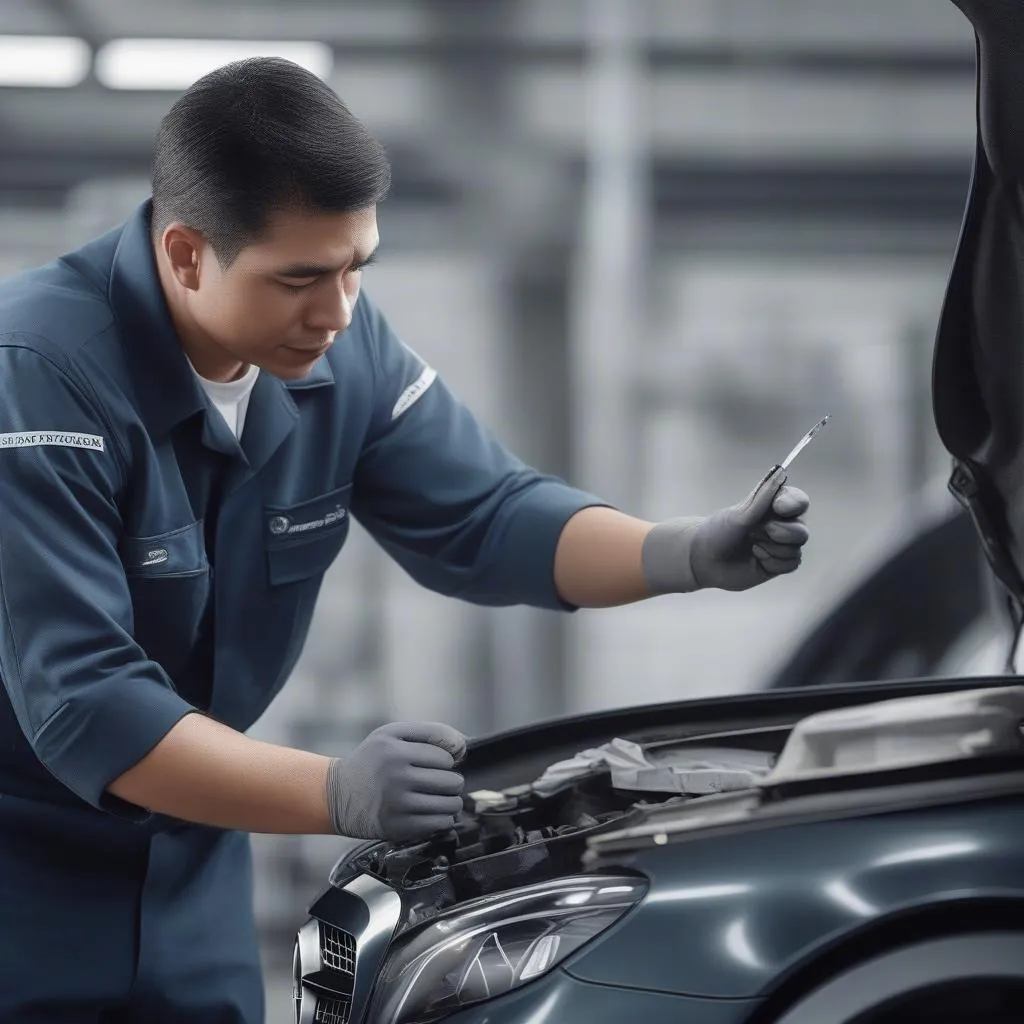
316, 517
302, 540
180, 552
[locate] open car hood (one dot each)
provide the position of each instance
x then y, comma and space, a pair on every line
978, 371
517, 756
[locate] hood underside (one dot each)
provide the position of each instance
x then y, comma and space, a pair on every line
978, 371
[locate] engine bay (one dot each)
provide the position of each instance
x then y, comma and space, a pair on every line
539, 830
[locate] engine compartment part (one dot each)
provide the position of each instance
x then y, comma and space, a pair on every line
903, 733
695, 771
532, 833
528, 838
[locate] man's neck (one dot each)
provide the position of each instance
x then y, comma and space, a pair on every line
207, 359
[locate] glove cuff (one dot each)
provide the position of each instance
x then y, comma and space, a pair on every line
665, 557
334, 794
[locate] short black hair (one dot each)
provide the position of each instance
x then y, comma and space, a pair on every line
254, 137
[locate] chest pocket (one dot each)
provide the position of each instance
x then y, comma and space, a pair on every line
302, 540
169, 580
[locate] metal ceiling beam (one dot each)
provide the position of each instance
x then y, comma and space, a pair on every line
905, 192
760, 26
752, 115
509, 54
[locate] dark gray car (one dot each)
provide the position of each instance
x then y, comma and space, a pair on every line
812, 855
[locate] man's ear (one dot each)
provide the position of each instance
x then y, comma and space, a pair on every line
183, 249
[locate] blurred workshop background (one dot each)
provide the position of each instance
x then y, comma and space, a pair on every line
649, 241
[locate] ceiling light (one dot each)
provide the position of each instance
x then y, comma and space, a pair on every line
176, 63
46, 62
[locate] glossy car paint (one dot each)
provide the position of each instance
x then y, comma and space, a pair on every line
559, 998
727, 917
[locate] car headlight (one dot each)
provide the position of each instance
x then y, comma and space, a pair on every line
495, 944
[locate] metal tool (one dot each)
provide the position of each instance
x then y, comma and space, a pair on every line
800, 446
803, 443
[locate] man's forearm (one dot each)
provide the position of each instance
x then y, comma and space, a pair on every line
206, 773
598, 561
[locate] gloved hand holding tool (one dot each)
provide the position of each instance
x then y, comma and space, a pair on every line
735, 548
398, 784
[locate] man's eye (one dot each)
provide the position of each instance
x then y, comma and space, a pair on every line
296, 287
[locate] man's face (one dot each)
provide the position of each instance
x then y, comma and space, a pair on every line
282, 301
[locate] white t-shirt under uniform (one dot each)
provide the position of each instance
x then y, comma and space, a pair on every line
231, 398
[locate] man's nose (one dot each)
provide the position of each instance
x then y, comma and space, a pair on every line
333, 313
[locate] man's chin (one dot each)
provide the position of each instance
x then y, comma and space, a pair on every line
294, 364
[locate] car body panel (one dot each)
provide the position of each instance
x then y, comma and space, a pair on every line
559, 998
727, 918
745, 889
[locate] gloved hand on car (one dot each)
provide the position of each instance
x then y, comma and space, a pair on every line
735, 548
398, 784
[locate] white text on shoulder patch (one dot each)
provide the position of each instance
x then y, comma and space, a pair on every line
414, 392
60, 439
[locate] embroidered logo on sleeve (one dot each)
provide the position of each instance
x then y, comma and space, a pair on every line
414, 392
155, 556
41, 438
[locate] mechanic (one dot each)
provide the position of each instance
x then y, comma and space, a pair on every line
194, 405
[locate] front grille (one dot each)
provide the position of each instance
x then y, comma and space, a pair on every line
337, 950
332, 1011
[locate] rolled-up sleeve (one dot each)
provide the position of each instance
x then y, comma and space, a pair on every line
444, 498
88, 699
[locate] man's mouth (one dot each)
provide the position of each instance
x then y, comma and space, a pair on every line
312, 350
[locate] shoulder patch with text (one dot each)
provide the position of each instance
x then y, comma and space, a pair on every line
59, 439
414, 392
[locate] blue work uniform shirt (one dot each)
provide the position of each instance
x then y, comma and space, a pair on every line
150, 564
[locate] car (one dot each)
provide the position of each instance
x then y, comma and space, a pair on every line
847, 853
900, 618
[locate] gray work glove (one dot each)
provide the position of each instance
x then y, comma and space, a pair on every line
398, 784
735, 548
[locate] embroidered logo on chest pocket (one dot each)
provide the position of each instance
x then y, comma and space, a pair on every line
282, 526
